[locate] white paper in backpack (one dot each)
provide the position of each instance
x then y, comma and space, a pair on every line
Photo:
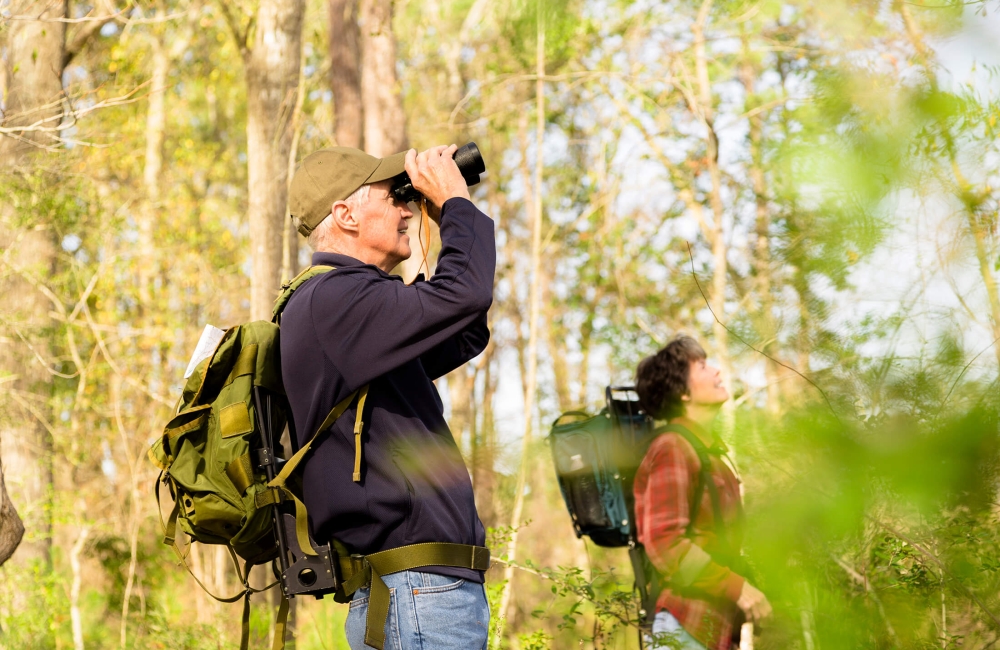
209, 340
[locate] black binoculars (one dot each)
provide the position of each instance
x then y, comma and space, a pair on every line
469, 161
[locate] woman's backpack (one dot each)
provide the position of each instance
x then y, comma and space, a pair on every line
596, 459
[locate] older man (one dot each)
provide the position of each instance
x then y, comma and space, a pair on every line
401, 480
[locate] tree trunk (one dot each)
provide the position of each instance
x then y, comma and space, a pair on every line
534, 300
33, 76
484, 448
11, 526
290, 236
272, 73
461, 392
76, 619
705, 111
345, 73
384, 121
156, 124
762, 251
555, 341
34, 91
586, 337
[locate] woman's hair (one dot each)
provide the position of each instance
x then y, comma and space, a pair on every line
662, 378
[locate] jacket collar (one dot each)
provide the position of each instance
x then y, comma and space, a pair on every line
341, 261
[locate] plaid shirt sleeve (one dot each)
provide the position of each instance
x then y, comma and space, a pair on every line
664, 487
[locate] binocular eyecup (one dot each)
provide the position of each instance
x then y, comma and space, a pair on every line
469, 161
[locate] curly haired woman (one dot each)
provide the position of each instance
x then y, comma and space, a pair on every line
694, 546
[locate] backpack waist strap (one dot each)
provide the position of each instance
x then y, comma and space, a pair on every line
359, 571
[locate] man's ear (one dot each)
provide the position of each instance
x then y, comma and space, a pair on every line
344, 217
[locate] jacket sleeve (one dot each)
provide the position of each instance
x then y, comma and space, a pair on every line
665, 496
369, 324
457, 350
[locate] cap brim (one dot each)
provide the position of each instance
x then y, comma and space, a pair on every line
389, 167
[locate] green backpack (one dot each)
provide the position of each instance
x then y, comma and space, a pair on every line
207, 453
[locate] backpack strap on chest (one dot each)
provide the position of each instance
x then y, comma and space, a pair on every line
704, 479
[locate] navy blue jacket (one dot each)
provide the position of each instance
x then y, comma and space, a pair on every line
358, 325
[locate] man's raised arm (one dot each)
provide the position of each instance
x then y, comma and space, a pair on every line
390, 323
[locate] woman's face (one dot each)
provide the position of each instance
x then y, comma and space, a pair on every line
705, 385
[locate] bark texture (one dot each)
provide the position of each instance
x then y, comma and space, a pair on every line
384, 121
765, 287
11, 526
156, 124
272, 73
33, 80
345, 73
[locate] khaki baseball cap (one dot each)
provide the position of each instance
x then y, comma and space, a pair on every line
329, 175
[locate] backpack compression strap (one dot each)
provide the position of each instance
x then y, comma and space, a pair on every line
368, 570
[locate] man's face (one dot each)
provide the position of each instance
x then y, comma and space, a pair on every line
382, 230
705, 384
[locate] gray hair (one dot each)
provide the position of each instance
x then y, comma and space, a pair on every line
320, 236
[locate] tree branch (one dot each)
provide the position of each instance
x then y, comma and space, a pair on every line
241, 35
85, 33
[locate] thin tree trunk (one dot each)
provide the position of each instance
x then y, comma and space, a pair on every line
978, 230
586, 335
762, 250
202, 611
156, 122
11, 526
272, 73
384, 121
555, 341
461, 386
289, 234
484, 449
76, 620
135, 512
35, 54
705, 111
534, 300
345, 73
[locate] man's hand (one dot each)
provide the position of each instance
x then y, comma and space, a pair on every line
435, 175
753, 603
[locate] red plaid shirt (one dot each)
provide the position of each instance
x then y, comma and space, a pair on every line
664, 487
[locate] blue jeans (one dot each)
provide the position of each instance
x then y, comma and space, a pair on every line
426, 612
671, 635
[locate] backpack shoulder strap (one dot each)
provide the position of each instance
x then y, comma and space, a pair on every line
288, 288
704, 477
279, 483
